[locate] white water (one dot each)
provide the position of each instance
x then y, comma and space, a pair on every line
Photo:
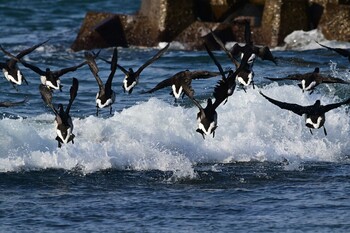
305, 40
157, 135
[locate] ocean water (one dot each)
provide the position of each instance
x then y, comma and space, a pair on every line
145, 168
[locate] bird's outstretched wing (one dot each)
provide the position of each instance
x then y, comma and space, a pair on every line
187, 88
166, 82
114, 61
190, 93
343, 52
330, 79
73, 93
297, 109
114, 66
215, 61
247, 33
61, 72
125, 71
13, 57
203, 74
46, 95
33, 68
90, 59
29, 50
222, 46
265, 54
7, 104
298, 77
220, 92
151, 60
329, 107
289, 77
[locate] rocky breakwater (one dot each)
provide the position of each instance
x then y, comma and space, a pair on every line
190, 22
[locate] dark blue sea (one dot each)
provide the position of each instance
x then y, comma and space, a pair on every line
145, 168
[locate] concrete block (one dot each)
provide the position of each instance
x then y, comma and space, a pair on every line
282, 17
335, 22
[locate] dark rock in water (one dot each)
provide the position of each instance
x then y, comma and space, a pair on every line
193, 36
139, 31
109, 29
157, 21
190, 21
198, 33
100, 30
335, 22
216, 10
281, 18
167, 18
315, 12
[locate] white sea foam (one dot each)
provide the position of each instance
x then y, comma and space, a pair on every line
158, 135
305, 40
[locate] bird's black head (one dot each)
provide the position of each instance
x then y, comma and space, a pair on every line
317, 103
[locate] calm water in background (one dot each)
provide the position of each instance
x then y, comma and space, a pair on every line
145, 168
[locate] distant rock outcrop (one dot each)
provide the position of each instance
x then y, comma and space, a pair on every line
335, 22
190, 22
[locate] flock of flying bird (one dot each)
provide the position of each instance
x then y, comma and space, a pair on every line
180, 84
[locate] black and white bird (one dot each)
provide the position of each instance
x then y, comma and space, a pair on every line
314, 114
132, 77
10, 68
227, 83
105, 96
342, 52
207, 117
310, 80
248, 54
49, 78
249, 51
245, 73
182, 80
63, 121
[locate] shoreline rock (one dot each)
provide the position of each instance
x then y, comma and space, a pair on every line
190, 22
